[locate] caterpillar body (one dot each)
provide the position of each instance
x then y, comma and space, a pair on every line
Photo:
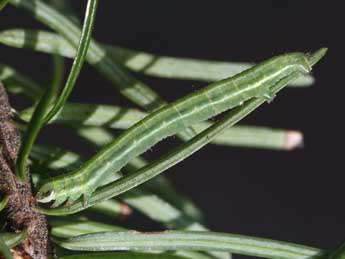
198, 106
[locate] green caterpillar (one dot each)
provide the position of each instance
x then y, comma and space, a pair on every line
198, 106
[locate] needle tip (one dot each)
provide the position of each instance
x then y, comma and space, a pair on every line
292, 140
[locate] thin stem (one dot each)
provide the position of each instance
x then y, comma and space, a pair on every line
84, 43
35, 124
58, 72
40, 116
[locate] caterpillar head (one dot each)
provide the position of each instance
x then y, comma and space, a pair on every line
56, 190
53, 190
46, 193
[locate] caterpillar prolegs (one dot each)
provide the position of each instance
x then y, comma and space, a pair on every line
198, 106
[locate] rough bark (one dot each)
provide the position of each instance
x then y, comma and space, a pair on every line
20, 209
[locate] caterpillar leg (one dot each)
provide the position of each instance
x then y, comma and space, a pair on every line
269, 96
70, 202
86, 199
58, 202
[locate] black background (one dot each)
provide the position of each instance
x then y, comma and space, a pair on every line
294, 196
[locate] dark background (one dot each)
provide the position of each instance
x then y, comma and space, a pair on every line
294, 196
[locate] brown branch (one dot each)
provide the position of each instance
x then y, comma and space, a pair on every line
21, 212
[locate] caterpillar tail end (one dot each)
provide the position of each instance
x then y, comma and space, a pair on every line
315, 57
